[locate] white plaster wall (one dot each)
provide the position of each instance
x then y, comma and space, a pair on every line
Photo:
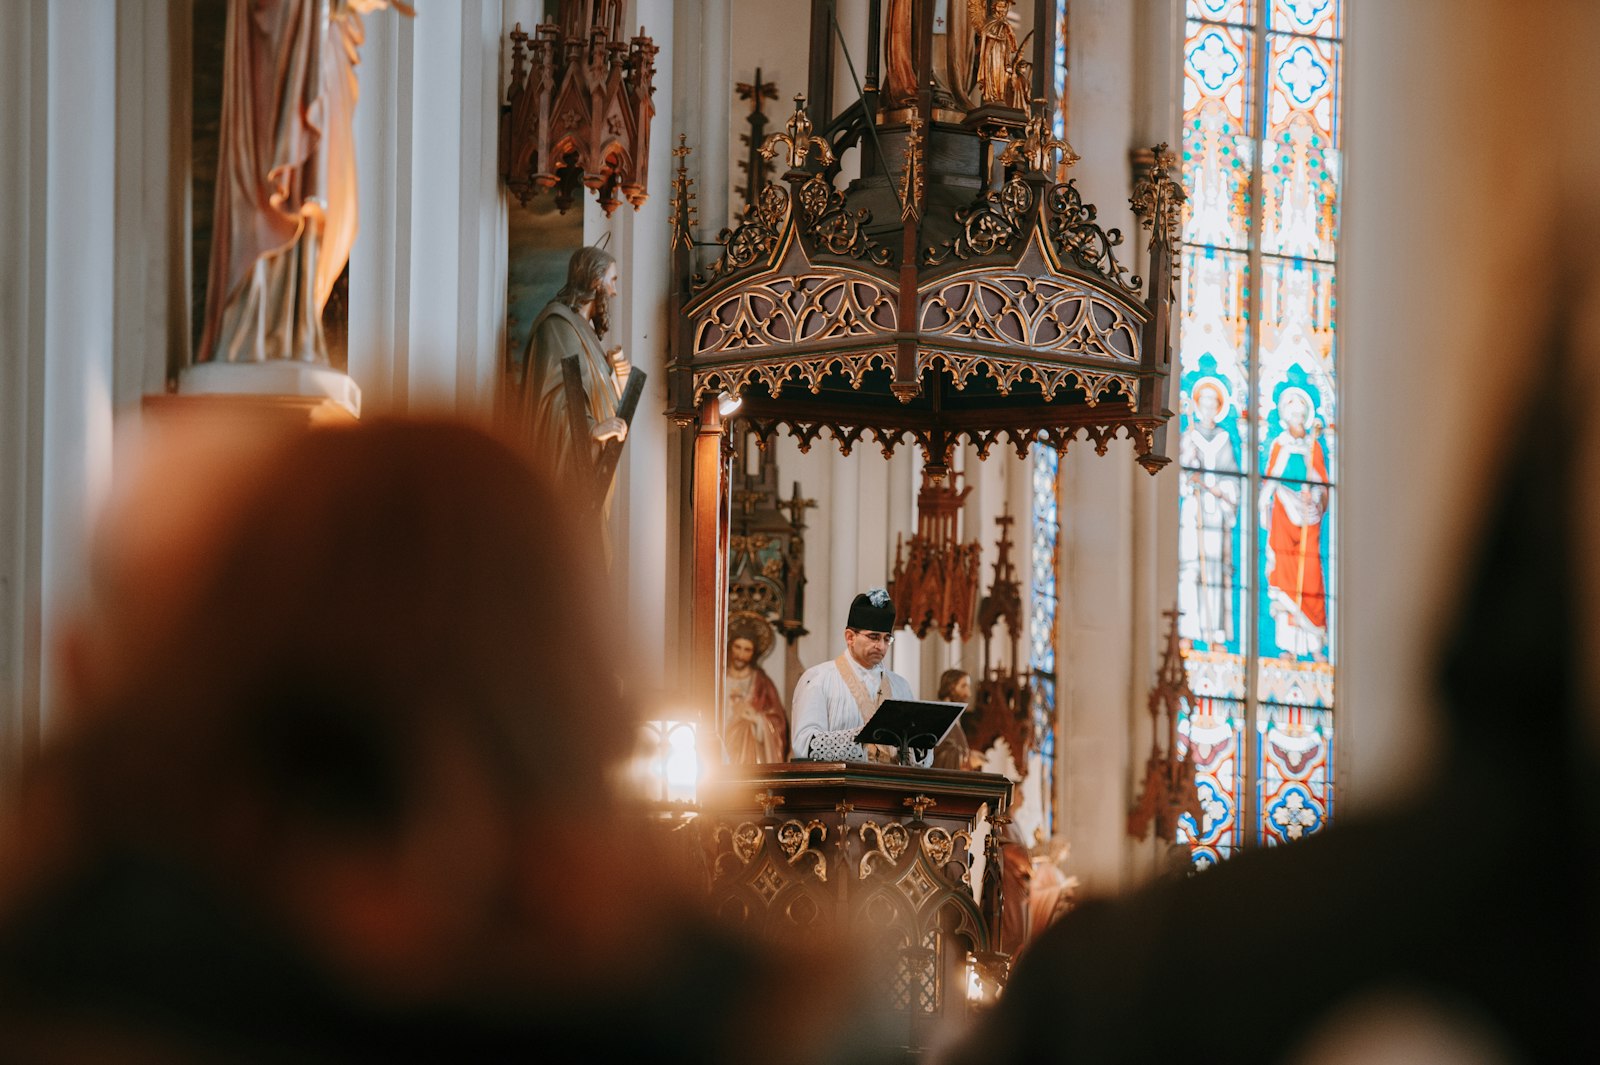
772, 35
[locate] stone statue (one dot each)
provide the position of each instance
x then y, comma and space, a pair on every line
286, 182
572, 324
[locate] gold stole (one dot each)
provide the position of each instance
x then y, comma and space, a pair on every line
876, 752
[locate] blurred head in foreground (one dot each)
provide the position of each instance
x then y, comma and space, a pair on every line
339, 705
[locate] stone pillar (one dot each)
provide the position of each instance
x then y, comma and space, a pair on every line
428, 269
1101, 665
58, 381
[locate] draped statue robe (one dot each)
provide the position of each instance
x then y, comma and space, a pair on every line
285, 214
560, 331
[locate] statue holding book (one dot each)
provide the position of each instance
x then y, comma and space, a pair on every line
572, 325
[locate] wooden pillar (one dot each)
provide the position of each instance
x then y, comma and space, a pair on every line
712, 483
819, 83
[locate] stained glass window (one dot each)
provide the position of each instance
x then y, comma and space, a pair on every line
1042, 628
1258, 418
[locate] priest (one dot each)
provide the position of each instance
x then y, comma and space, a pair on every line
833, 700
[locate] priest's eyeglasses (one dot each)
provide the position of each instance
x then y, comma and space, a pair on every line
885, 638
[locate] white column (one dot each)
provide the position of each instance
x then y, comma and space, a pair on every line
640, 241
59, 179
378, 353
153, 123
23, 66
427, 272
1100, 664
1157, 109
695, 105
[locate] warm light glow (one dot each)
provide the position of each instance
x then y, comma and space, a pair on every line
982, 988
667, 767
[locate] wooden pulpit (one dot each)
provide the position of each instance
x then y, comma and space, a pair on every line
882, 856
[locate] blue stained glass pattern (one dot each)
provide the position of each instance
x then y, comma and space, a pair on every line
1258, 416
1213, 731
1218, 149
1058, 121
1239, 12
1216, 65
1303, 81
1042, 626
1294, 774
1318, 18
1300, 185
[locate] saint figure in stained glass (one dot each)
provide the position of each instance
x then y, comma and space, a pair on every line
1293, 504
1208, 516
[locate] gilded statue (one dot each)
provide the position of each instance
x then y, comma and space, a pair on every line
1001, 76
285, 215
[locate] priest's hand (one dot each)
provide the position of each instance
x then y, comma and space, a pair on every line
611, 429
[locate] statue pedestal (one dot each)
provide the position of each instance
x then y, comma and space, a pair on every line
295, 384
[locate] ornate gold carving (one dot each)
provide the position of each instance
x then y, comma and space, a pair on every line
747, 840
799, 138
940, 845
807, 370
917, 885
919, 805
1158, 201
681, 207
1037, 146
767, 883
1002, 71
886, 843
834, 228
1076, 235
912, 180
1044, 314
795, 841
778, 313
1097, 386
755, 238
994, 223
768, 802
